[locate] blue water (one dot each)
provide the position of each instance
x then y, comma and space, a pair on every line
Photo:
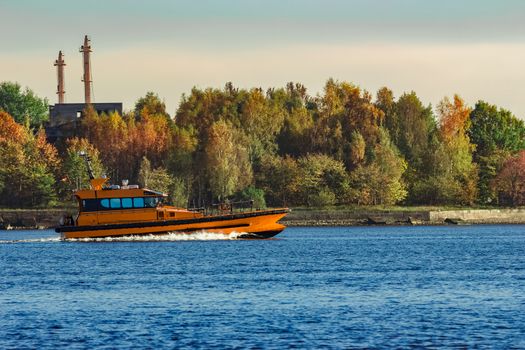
381, 287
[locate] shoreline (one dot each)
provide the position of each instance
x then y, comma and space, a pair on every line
404, 217
27, 219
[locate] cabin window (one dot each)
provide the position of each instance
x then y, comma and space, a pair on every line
104, 203
127, 203
114, 203
151, 202
89, 205
138, 202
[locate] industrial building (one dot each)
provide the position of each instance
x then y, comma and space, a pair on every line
65, 118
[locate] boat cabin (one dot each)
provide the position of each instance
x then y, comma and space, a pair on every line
115, 204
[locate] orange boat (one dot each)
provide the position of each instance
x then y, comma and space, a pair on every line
108, 211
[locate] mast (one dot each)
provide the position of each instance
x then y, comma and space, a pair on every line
87, 159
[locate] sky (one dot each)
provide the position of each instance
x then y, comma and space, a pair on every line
475, 48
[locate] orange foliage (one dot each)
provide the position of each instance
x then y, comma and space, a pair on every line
122, 142
47, 151
152, 138
454, 117
10, 130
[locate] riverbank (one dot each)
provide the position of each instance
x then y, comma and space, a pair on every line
31, 218
402, 216
49, 218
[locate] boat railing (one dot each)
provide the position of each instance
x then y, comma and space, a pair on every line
226, 208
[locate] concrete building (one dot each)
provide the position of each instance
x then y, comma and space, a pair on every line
65, 118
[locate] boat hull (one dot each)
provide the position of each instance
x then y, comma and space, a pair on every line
251, 225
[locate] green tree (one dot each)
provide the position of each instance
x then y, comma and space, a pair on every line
157, 180
297, 128
343, 109
279, 178
178, 192
357, 149
260, 122
227, 161
150, 105
381, 180
255, 194
411, 131
385, 101
497, 134
23, 105
454, 176
74, 169
323, 180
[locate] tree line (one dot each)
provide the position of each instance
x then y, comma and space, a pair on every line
280, 147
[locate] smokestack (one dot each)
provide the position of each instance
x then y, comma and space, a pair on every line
59, 63
86, 49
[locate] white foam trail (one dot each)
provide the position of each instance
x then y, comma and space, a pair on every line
32, 240
168, 237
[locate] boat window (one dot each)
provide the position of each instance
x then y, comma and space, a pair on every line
151, 202
89, 205
114, 203
127, 203
104, 203
138, 202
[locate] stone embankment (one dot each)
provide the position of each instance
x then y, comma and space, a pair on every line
30, 218
48, 218
416, 217
480, 216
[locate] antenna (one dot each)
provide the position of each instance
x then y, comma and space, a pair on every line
87, 159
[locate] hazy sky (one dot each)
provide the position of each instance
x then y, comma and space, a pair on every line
475, 48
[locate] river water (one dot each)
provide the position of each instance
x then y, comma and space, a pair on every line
343, 287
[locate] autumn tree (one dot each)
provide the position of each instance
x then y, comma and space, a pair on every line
385, 102
27, 163
455, 175
343, 109
150, 105
261, 121
109, 134
509, 184
201, 108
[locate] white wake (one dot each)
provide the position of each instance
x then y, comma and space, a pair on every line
32, 240
167, 237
